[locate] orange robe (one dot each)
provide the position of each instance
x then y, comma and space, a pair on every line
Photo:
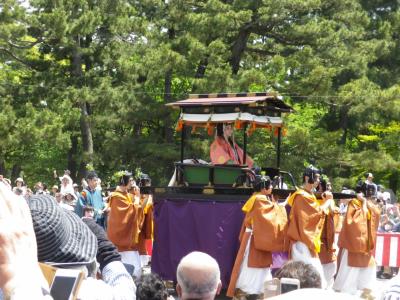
123, 221
221, 152
358, 233
306, 221
146, 226
327, 252
268, 221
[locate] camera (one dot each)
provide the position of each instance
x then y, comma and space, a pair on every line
275, 286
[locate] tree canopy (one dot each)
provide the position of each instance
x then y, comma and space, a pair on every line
85, 82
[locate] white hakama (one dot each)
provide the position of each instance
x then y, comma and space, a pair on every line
352, 279
251, 280
300, 252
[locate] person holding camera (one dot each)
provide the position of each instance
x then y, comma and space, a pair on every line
263, 232
357, 268
306, 221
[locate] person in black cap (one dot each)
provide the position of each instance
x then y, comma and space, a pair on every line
124, 222
307, 216
263, 232
357, 240
91, 196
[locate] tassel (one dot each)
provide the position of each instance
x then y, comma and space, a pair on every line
251, 129
238, 124
179, 125
210, 129
276, 131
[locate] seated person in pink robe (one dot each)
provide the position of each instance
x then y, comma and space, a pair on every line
224, 150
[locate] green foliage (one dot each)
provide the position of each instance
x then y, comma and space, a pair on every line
80, 72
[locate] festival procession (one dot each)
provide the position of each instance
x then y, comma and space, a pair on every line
199, 150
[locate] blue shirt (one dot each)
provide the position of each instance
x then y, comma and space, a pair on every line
94, 199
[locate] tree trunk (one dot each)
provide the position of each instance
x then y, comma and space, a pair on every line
394, 181
168, 130
238, 48
344, 121
86, 131
72, 153
2, 168
16, 170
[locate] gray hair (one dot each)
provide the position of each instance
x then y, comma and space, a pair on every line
198, 275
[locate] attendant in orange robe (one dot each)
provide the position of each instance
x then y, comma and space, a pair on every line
146, 222
306, 221
327, 254
357, 267
263, 232
224, 150
124, 223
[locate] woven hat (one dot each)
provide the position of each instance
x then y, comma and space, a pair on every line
61, 235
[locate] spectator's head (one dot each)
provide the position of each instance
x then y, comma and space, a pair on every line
54, 189
58, 197
39, 187
18, 191
76, 187
7, 181
69, 197
29, 192
19, 182
151, 287
369, 177
88, 211
92, 179
305, 273
65, 180
61, 235
311, 175
198, 277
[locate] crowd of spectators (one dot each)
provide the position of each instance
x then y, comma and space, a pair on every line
46, 228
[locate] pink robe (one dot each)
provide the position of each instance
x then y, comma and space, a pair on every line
221, 152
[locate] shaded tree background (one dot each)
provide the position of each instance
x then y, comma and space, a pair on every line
84, 82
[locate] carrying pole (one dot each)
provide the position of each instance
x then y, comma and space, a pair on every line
182, 141
245, 144
278, 148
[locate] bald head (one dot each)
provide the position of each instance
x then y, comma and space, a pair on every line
198, 277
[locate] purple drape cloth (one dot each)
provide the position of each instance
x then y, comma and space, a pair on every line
181, 227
